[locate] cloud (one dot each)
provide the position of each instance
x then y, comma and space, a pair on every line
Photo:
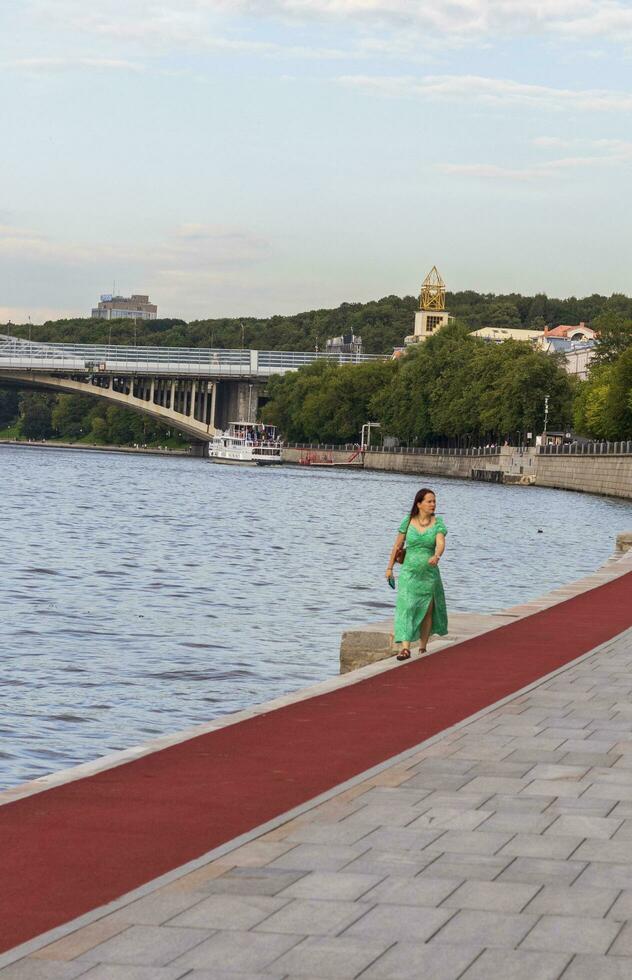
491, 91
608, 153
188, 245
44, 65
364, 28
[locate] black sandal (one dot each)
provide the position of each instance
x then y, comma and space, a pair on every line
403, 654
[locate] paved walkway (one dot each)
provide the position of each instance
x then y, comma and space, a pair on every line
501, 849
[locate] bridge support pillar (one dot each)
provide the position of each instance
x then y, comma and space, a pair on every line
237, 401
172, 396
212, 421
193, 397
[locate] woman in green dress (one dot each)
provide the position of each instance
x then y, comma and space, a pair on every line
420, 608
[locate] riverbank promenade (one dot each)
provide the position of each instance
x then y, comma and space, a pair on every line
463, 815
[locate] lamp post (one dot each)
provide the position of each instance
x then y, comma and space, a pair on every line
546, 417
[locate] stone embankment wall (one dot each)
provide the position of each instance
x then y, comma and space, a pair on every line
609, 475
606, 474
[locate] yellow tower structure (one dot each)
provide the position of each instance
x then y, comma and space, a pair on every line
432, 314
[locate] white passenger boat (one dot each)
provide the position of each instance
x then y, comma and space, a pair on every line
246, 444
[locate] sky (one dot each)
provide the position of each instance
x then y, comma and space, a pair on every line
252, 157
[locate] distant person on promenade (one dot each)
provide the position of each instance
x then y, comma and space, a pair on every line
420, 609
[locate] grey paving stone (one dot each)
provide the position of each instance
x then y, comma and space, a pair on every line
309, 917
603, 790
450, 818
623, 944
625, 830
344, 832
387, 862
451, 766
145, 946
318, 857
517, 964
555, 787
385, 794
429, 892
582, 805
598, 875
502, 803
589, 758
237, 952
332, 885
542, 870
621, 910
590, 744
496, 784
536, 845
403, 838
414, 961
534, 756
599, 968
510, 821
225, 975
581, 825
33, 969
382, 815
493, 896
161, 906
610, 851
473, 927
479, 867
331, 956
576, 900
229, 912
400, 922
111, 971
470, 842
572, 934
255, 881
463, 801
436, 781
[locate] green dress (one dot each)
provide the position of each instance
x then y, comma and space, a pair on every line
419, 584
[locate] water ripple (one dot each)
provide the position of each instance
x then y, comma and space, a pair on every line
154, 594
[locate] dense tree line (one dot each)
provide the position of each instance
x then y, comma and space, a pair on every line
382, 323
453, 388
79, 418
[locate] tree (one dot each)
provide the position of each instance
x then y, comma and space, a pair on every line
615, 336
9, 406
69, 415
618, 404
35, 415
503, 314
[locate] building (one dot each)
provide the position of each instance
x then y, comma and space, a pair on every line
577, 332
496, 335
347, 344
577, 353
432, 314
135, 307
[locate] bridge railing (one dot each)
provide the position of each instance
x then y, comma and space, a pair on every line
18, 354
622, 447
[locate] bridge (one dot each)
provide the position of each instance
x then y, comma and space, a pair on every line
195, 390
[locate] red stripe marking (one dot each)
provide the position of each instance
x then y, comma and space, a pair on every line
75, 847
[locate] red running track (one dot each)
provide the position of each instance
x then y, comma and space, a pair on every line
75, 847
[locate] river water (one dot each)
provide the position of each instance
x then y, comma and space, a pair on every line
140, 595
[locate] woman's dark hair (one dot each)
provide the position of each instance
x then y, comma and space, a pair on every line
419, 496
